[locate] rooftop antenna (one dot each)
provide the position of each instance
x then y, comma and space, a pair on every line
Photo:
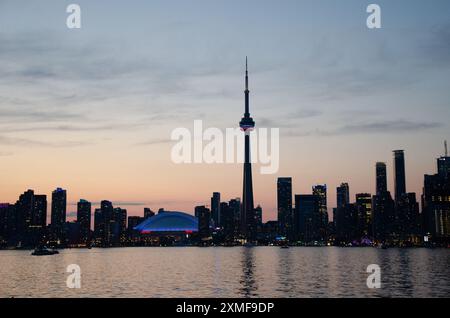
445, 146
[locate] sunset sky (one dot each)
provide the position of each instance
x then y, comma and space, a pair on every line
91, 110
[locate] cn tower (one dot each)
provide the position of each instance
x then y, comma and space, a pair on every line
248, 221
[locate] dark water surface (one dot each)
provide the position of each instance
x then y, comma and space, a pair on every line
227, 272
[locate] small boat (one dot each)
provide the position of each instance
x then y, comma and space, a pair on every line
284, 246
41, 251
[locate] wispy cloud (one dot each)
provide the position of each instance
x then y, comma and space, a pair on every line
13, 141
158, 141
391, 126
35, 116
290, 119
376, 127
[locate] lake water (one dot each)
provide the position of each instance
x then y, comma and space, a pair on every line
227, 272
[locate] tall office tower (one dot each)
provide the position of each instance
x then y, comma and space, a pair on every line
383, 216
24, 210
39, 215
235, 209
227, 222
364, 207
321, 192
284, 203
436, 204
148, 213
381, 178
8, 223
30, 218
306, 218
58, 216
204, 218
407, 218
119, 225
342, 195
104, 223
99, 226
443, 164
399, 174
84, 220
4, 216
215, 209
346, 223
248, 212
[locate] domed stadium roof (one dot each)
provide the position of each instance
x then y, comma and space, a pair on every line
169, 221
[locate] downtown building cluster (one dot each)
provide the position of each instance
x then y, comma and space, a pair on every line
370, 220
381, 218
24, 224
302, 219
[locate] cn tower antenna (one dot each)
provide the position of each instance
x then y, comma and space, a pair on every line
445, 146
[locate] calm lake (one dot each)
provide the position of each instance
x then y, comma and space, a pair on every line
227, 272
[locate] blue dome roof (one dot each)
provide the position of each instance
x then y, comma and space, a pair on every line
169, 221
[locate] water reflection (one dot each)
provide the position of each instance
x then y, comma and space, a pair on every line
285, 266
248, 282
228, 272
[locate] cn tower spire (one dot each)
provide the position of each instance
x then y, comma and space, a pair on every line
246, 74
248, 225
247, 107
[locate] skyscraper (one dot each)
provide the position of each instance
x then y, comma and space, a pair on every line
39, 217
443, 164
383, 216
215, 209
284, 203
320, 191
436, 203
407, 217
228, 222
364, 207
204, 218
58, 217
346, 223
342, 195
84, 219
381, 178
119, 225
24, 210
306, 218
235, 208
30, 217
248, 212
104, 223
399, 174
4, 209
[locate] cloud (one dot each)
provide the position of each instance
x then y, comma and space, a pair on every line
392, 126
375, 127
289, 120
33, 116
158, 141
13, 141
